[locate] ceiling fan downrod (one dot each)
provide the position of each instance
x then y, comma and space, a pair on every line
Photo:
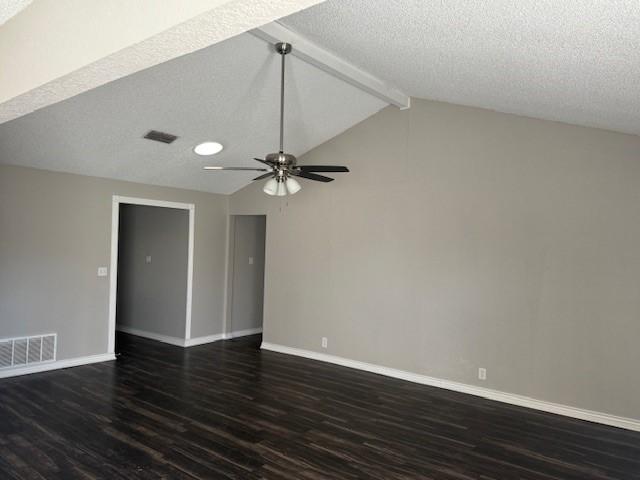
283, 49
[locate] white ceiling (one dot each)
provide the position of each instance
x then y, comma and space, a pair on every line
576, 61
61, 48
228, 92
10, 8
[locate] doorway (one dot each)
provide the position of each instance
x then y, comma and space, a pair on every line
151, 270
247, 262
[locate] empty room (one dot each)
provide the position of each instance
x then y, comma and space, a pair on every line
306, 239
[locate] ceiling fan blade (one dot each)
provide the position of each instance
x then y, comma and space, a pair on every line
266, 175
266, 162
313, 176
249, 169
322, 168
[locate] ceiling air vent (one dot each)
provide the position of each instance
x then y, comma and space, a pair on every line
160, 136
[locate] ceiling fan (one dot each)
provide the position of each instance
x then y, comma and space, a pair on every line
282, 167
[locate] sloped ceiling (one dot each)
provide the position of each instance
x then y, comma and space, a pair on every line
576, 61
10, 8
60, 48
228, 92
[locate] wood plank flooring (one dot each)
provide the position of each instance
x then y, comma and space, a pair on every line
228, 410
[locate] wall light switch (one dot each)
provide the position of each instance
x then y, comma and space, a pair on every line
102, 271
147, 259
250, 260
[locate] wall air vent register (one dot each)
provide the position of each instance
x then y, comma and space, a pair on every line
23, 351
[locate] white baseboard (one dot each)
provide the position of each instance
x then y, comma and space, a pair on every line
243, 333
221, 336
513, 399
56, 365
202, 340
191, 342
152, 336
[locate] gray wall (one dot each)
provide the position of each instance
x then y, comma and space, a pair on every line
466, 238
55, 231
152, 296
247, 286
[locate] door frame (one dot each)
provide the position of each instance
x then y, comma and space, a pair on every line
230, 272
117, 200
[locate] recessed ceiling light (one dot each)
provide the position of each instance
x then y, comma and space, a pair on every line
208, 148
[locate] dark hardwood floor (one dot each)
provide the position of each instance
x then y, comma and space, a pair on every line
227, 410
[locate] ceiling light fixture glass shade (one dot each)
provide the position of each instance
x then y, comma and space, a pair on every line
293, 186
280, 188
271, 187
208, 148
281, 191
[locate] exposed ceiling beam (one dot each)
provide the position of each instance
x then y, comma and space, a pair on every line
55, 49
329, 62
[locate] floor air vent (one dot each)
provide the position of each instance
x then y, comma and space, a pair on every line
18, 352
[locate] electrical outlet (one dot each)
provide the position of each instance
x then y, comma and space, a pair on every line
147, 259
102, 271
482, 373
324, 342
250, 260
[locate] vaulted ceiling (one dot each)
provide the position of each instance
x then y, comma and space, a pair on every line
10, 8
228, 92
575, 61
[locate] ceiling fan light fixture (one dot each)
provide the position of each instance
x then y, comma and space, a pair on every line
293, 186
281, 191
208, 148
270, 187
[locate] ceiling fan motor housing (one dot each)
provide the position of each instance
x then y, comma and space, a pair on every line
281, 159
283, 164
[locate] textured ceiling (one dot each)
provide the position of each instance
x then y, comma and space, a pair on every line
576, 61
228, 92
50, 70
9, 8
